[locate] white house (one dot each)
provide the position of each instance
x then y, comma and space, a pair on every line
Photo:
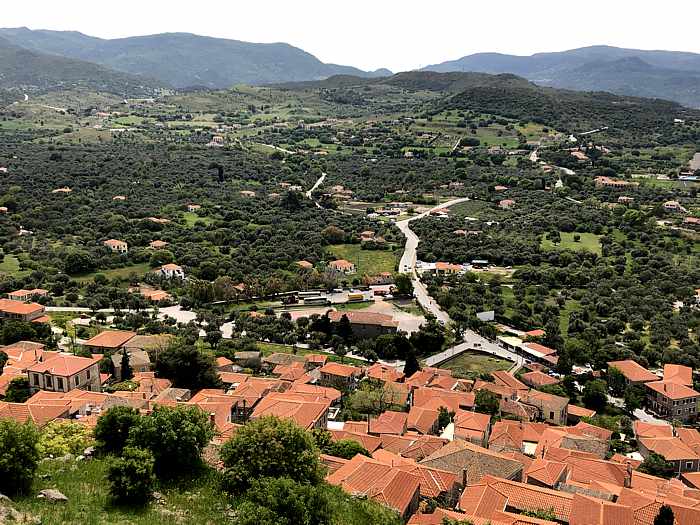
171, 271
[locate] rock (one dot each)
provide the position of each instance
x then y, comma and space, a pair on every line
89, 452
53, 495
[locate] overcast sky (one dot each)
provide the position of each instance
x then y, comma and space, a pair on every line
398, 34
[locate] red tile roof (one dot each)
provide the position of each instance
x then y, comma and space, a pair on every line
370, 443
588, 511
306, 414
545, 471
64, 365
37, 414
652, 430
15, 307
503, 378
575, 410
110, 339
422, 420
672, 390
538, 379
337, 369
361, 317
384, 373
389, 422
678, 374
673, 449
471, 425
633, 371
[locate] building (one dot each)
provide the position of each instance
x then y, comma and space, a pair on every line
171, 271
683, 458
388, 422
366, 324
633, 372
117, 246
157, 244
108, 341
472, 426
674, 206
139, 362
64, 372
10, 309
506, 203
342, 377
342, 266
27, 295
607, 182
443, 268
305, 264
672, 401
193, 207
306, 413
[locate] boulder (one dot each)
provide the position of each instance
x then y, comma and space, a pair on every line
53, 495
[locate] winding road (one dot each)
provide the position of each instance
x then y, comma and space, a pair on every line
471, 340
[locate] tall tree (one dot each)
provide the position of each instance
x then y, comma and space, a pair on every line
126, 371
665, 516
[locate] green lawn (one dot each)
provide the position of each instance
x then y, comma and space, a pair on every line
275, 348
10, 266
569, 307
474, 363
370, 262
588, 242
191, 218
117, 273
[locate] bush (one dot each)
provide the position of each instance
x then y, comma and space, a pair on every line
59, 438
112, 430
18, 456
175, 436
270, 447
131, 478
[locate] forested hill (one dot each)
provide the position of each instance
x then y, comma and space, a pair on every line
22, 69
671, 75
185, 60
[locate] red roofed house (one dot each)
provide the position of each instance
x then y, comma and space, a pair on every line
171, 271
109, 340
117, 246
683, 458
342, 266
384, 373
64, 372
366, 324
634, 373
27, 295
678, 374
538, 379
673, 401
10, 309
306, 414
336, 375
473, 427
390, 486
388, 422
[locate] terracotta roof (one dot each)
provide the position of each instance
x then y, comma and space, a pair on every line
37, 414
678, 374
435, 398
540, 349
370, 443
575, 410
619, 458
319, 359
64, 365
673, 449
422, 420
388, 485
333, 463
304, 413
17, 308
538, 379
172, 267
388, 422
633, 371
318, 392
545, 471
690, 437
672, 390
652, 430
500, 377
535, 333
305, 264
586, 429
692, 479
471, 425
384, 373
337, 369
361, 317
645, 508
110, 339
341, 264
588, 511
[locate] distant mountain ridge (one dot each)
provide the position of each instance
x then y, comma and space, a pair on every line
26, 70
185, 60
670, 75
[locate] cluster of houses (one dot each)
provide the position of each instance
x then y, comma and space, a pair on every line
538, 458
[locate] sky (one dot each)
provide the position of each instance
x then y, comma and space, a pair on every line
398, 34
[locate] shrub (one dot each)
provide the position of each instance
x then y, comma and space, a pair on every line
175, 436
113, 428
18, 456
59, 438
270, 447
131, 478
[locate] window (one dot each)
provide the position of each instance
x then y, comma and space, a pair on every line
88, 374
77, 380
678, 412
48, 382
59, 383
688, 465
551, 415
35, 379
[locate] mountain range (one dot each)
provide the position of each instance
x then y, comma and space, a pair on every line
670, 75
183, 60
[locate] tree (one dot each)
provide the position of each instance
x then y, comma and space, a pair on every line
3, 359
404, 285
112, 429
344, 328
656, 465
175, 436
634, 397
595, 395
61, 437
18, 390
665, 516
429, 338
486, 402
289, 451
445, 417
187, 367
19, 456
616, 381
126, 371
412, 365
130, 476
346, 449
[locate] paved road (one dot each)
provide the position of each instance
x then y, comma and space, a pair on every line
471, 340
309, 194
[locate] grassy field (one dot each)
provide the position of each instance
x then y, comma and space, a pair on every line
274, 348
117, 273
191, 218
589, 242
475, 363
10, 266
370, 262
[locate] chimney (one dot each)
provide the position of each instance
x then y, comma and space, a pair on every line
212, 418
628, 476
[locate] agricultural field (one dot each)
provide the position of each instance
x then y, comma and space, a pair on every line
473, 364
367, 262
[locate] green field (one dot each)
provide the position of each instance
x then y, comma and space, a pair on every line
10, 266
275, 348
588, 242
367, 262
117, 273
192, 218
474, 363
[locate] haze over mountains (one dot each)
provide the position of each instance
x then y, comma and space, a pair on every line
54, 59
671, 75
